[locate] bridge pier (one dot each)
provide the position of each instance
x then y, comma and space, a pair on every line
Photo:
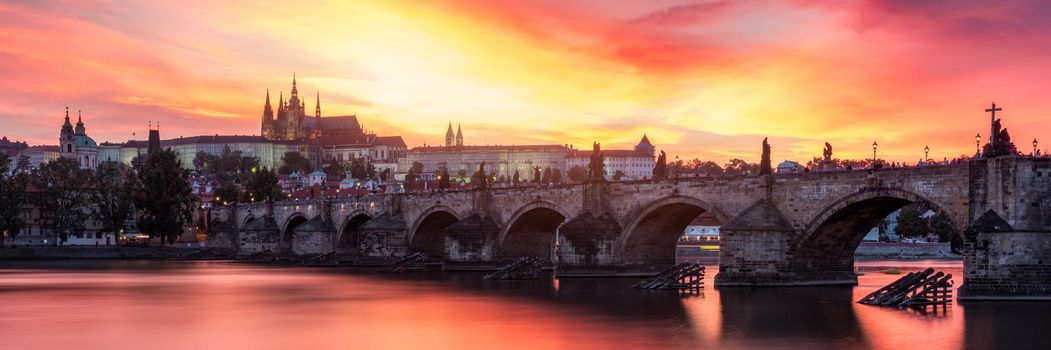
586, 246
260, 235
314, 237
384, 236
470, 243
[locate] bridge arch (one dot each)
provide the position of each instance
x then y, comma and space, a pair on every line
248, 219
829, 240
531, 230
289, 226
426, 234
347, 236
651, 237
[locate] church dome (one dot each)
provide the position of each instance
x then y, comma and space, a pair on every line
85, 141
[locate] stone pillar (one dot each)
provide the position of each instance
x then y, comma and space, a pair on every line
587, 246
313, 237
385, 236
1007, 249
469, 243
754, 248
260, 235
224, 236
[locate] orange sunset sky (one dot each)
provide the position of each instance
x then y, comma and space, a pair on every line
704, 79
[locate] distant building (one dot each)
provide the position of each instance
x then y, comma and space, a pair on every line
703, 228
74, 143
789, 167
501, 161
636, 164
40, 154
12, 149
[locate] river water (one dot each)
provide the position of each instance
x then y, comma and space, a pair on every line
218, 305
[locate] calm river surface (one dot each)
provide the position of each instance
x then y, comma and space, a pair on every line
216, 305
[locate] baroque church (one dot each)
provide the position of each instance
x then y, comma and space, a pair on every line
74, 143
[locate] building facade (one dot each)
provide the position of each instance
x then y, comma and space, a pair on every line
74, 143
502, 161
634, 164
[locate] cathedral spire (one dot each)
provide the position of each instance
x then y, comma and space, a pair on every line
449, 138
295, 91
267, 107
317, 110
459, 136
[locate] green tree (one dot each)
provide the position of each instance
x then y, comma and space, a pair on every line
12, 199
164, 197
227, 192
263, 186
294, 161
738, 166
205, 162
112, 197
443, 177
910, 224
414, 172
335, 170
578, 174
62, 197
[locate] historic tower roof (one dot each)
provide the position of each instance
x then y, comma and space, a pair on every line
67, 128
459, 136
80, 125
449, 137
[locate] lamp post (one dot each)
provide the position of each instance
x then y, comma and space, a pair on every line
926, 154
874, 145
977, 141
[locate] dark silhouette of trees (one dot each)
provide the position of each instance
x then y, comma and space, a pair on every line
263, 186
164, 197
62, 197
414, 172
293, 161
577, 174
12, 198
112, 197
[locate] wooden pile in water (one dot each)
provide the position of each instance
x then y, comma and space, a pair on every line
523, 268
915, 289
682, 277
411, 262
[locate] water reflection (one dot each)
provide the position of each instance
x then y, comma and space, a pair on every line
179, 305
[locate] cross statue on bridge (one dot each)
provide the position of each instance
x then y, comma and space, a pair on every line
992, 120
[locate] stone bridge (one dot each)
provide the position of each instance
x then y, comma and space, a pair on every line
798, 229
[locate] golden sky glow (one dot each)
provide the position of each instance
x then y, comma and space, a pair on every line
704, 79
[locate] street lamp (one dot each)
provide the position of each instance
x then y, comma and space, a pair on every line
977, 140
874, 145
926, 152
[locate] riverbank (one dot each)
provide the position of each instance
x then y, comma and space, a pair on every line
108, 252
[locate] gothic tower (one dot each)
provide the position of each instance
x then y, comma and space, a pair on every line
267, 128
294, 114
450, 140
459, 136
317, 116
279, 122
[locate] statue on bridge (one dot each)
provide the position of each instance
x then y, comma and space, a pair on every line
480, 178
827, 153
764, 164
999, 139
597, 168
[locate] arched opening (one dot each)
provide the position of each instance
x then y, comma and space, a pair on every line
654, 238
428, 235
348, 236
248, 220
531, 234
290, 228
831, 244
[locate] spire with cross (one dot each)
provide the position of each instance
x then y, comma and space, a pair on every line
992, 122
